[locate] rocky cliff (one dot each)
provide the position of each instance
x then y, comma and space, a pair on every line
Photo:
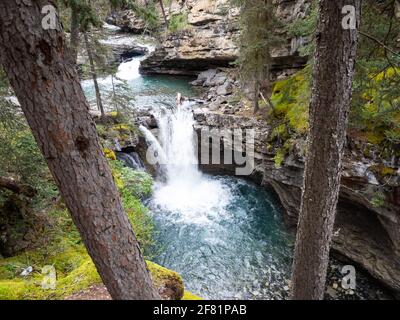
367, 231
209, 39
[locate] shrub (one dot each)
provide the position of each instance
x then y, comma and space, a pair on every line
178, 22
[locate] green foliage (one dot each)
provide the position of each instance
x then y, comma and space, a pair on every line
178, 22
375, 111
257, 22
378, 200
119, 97
88, 15
305, 28
117, 127
136, 183
291, 98
147, 13
133, 186
21, 158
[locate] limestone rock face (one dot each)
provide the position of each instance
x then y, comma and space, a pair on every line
207, 41
210, 39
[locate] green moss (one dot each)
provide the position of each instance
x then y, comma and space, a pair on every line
125, 128
279, 158
81, 274
133, 186
190, 296
109, 154
12, 289
378, 200
290, 98
383, 171
161, 275
116, 126
282, 152
178, 22
74, 268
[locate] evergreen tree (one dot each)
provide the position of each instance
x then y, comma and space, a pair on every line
56, 109
258, 22
330, 102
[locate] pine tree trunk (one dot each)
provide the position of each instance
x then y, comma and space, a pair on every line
52, 100
330, 102
163, 12
74, 41
94, 74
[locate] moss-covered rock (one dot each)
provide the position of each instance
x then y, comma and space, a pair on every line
116, 128
190, 296
170, 283
383, 171
75, 272
291, 98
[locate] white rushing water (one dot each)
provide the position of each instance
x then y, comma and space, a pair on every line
187, 194
127, 70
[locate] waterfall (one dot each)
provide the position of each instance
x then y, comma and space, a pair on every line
187, 192
179, 143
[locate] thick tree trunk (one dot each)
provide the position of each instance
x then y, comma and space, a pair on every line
331, 96
74, 41
48, 88
94, 74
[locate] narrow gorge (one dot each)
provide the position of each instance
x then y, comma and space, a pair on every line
186, 200
205, 154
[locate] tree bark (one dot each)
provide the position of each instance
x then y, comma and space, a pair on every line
94, 74
48, 89
74, 41
256, 105
333, 73
163, 12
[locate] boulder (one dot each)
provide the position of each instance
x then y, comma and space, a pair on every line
224, 89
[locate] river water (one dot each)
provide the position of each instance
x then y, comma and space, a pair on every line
224, 235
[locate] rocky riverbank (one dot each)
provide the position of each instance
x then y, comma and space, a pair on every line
367, 232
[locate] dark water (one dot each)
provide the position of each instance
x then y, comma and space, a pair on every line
241, 252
